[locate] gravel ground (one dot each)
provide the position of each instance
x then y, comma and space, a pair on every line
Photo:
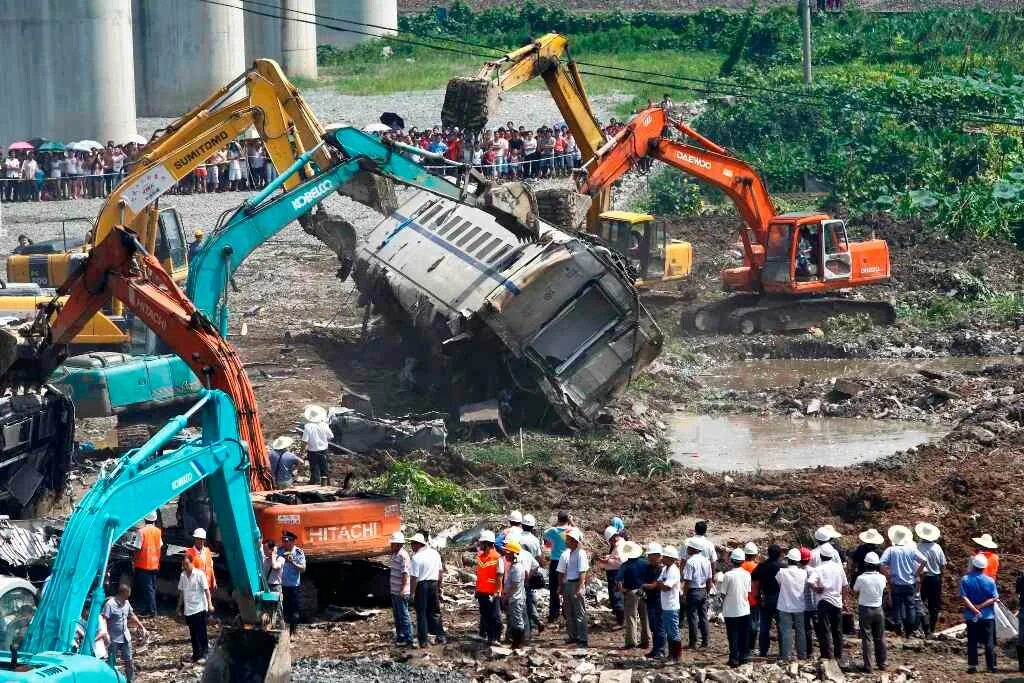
422, 108
363, 669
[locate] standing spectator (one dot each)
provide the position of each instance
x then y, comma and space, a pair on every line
29, 167
903, 564
560, 164
96, 171
529, 155
810, 602
554, 542
750, 553
666, 102
489, 575
272, 565
572, 149
768, 595
515, 152
55, 176
702, 542
195, 604
545, 152
985, 546
668, 585
630, 582
437, 145
792, 581
117, 159
401, 590
202, 558
735, 592
283, 461
147, 563
531, 545
979, 594
870, 542
12, 174
291, 578
652, 595
828, 580
931, 578
870, 589
573, 567
258, 163
697, 582
426, 573
612, 563
75, 175
119, 614
108, 167
213, 171
514, 593
825, 535
317, 436
234, 167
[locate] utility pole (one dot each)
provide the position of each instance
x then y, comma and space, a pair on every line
805, 19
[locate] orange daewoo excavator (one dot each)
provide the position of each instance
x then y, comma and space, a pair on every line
791, 261
332, 526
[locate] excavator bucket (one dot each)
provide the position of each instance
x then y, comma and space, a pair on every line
250, 656
468, 102
513, 205
563, 208
21, 366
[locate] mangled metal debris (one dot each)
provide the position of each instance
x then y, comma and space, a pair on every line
359, 433
24, 544
555, 316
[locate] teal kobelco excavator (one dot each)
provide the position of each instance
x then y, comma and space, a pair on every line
106, 383
57, 643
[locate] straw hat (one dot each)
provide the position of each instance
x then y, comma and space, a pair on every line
397, 537
832, 531
575, 534
418, 538
630, 550
653, 548
926, 531
900, 535
314, 413
985, 541
871, 536
282, 443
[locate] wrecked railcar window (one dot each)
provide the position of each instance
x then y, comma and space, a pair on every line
575, 328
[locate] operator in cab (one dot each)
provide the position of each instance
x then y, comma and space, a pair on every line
196, 245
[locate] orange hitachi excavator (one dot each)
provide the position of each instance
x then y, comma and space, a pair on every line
335, 527
791, 261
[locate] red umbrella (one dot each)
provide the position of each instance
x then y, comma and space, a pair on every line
20, 145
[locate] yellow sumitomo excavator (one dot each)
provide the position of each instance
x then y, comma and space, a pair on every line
470, 101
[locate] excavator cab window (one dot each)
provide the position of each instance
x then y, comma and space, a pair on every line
16, 609
808, 252
778, 265
835, 250
652, 249
170, 241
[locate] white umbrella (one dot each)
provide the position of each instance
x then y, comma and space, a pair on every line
137, 139
85, 145
376, 128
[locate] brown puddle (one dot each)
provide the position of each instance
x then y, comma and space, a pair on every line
750, 443
754, 375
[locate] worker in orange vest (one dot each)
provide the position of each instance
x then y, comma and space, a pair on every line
488, 587
147, 564
202, 558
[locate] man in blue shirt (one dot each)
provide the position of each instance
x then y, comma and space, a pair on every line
903, 563
979, 594
291, 577
630, 579
554, 542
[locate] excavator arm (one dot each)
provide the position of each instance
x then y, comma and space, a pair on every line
704, 160
142, 481
120, 267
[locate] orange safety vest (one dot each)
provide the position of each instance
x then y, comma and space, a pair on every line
487, 572
148, 557
203, 561
992, 569
749, 566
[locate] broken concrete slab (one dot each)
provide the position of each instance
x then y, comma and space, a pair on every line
616, 676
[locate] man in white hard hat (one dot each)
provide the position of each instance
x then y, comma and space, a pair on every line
979, 593
490, 571
573, 567
750, 555
903, 564
147, 564
706, 545
870, 590
317, 436
669, 586
698, 580
825, 535
792, 581
202, 558
652, 594
931, 577
735, 592
427, 571
829, 580
400, 584
515, 525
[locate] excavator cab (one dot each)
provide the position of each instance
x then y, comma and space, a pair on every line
643, 240
805, 250
171, 249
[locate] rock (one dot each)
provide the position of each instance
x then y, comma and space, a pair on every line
585, 668
813, 407
723, 676
914, 645
537, 661
793, 669
700, 675
829, 671
981, 435
616, 676
499, 651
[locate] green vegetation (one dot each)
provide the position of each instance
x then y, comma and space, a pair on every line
940, 311
410, 484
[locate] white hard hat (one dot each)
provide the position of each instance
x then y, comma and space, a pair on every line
979, 561
670, 551
529, 520
822, 535
609, 531
515, 516
151, 517
199, 533
826, 550
575, 534
750, 548
486, 536
653, 548
397, 537
872, 558
694, 544
737, 555
793, 555
418, 538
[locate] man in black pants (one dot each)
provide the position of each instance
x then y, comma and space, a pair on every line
291, 577
427, 573
768, 594
931, 576
554, 541
828, 581
195, 604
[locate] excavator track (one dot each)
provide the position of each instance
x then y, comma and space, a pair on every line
750, 313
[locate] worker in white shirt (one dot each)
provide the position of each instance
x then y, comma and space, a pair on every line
706, 545
573, 566
870, 590
317, 435
735, 592
828, 580
668, 584
426, 573
698, 580
792, 580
